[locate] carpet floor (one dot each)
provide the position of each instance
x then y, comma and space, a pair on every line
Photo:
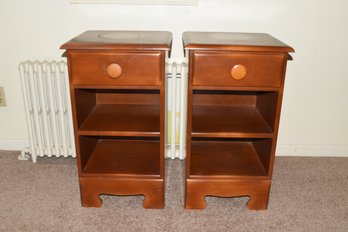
307, 194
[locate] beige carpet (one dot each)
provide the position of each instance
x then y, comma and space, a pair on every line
308, 194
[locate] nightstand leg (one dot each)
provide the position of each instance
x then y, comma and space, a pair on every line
90, 199
259, 200
154, 199
194, 200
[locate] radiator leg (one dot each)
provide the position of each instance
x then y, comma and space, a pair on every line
24, 154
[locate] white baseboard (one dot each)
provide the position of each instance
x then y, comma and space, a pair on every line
282, 149
13, 144
328, 150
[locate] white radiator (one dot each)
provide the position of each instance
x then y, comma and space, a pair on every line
47, 107
177, 82
46, 96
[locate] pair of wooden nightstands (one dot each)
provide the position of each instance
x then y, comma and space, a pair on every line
117, 84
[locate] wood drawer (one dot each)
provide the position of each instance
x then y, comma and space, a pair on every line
111, 68
237, 69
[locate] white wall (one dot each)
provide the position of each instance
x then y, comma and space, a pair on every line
315, 109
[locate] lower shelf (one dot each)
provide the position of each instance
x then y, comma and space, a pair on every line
225, 159
124, 157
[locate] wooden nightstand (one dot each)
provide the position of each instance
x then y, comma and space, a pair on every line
234, 101
117, 84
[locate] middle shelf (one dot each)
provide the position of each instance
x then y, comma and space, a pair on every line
229, 121
122, 120
233, 114
118, 112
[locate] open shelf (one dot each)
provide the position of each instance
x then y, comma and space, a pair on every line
229, 158
122, 120
122, 157
233, 114
118, 112
229, 122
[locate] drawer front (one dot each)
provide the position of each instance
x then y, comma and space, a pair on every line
121, 68
236, 69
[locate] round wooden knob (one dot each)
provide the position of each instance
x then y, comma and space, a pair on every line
238, 72
114, 70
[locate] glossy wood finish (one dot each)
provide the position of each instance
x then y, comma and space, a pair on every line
117, 83
229, 122
122, 120
114, 70
232, 114
92, 186
239, 72
121, 157
136, 69
232, 41
119, 112
214, 69
123, 40
256, 189
225, 158
234, 101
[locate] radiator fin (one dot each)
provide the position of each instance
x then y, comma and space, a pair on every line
176, 109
